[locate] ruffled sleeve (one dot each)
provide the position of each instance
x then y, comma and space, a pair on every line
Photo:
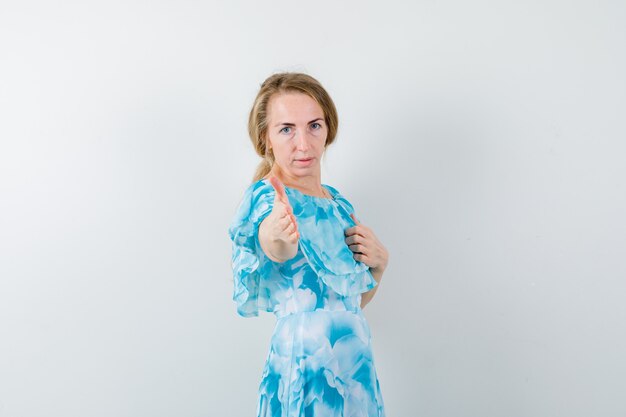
252, 269
321, 224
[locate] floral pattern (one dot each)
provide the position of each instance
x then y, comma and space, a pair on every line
320, 360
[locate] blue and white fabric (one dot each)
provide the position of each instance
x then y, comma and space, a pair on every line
320, 359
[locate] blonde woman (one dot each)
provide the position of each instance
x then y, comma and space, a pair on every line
300, 252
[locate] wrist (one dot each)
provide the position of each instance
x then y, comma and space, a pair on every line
282, 250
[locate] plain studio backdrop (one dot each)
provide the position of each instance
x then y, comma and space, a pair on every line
483, 142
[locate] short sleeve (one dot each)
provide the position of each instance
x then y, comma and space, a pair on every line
251, 267
322, 241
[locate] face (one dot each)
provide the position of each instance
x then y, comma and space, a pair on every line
296, 132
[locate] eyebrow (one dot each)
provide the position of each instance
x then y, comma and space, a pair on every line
293, 124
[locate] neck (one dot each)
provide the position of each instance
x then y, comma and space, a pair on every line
310, 184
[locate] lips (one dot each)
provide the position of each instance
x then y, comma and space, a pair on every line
303, 163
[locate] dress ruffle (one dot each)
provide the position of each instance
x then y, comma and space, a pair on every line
321, 224
251, 267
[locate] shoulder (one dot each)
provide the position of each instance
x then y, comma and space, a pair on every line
256, 203
340, 198
260, 188
257, 193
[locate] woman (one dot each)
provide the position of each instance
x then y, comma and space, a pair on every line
300, 252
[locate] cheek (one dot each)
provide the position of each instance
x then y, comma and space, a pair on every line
281, 150
322, 142
279, 144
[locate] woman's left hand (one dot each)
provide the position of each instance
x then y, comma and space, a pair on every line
366, 247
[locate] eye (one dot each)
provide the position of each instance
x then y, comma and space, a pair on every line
286, 130
316, 125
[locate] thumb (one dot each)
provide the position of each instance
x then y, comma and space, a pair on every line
281, 195
354, 218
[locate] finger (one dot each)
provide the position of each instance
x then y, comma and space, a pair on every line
362, 258
288, 224
286, 219
280, 189
291, 228
284, 223
283, 210
354, 218
355, 231
358, 248
352, 239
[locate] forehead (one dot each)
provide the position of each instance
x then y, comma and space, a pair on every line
292, 107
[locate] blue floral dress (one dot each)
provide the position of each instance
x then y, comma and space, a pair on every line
320, 360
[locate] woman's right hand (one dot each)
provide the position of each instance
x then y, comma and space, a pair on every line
278, 232
282, 223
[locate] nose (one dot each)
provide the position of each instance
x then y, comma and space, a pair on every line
302, 141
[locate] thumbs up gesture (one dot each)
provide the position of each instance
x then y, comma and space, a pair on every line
284, 226
278, 232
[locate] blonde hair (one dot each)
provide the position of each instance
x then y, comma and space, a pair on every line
281, 83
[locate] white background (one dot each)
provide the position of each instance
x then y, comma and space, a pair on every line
484, 143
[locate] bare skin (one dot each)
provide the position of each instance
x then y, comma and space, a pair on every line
297, 134
278, 232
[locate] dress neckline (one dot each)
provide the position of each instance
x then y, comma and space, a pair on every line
332, 195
